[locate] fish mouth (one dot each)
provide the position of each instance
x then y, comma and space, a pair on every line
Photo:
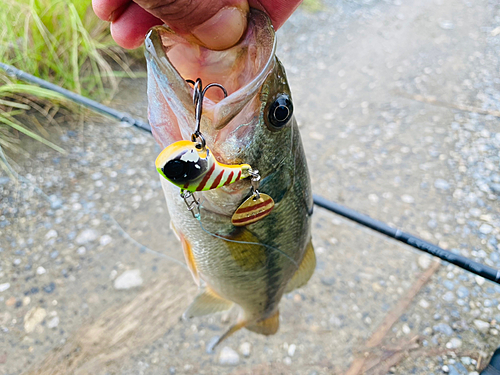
241, 69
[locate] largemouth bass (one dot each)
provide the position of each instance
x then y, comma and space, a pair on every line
253, 265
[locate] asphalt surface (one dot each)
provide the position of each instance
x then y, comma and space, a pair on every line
377, 89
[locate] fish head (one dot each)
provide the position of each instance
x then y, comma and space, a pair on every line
253, 124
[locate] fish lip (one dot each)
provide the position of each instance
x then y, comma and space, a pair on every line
156, 51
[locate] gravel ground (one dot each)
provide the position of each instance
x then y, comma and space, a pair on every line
69, 254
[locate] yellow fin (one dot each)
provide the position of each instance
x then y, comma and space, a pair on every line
228, 333
266, 327
247, 255
188, 255
207, 302
305, 271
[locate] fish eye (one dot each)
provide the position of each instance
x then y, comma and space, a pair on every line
280, 111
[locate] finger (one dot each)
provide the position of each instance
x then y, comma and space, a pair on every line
216, 24
132, 26
109, 10
278, 10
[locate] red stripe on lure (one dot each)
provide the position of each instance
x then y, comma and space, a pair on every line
195, 169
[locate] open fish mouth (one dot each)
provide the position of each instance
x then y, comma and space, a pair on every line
241, 69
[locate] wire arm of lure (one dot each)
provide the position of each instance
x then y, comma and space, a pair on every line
198, 95
255, 181
192, 205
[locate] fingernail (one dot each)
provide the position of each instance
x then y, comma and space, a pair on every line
223, 30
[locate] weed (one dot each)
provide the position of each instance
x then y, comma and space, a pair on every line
61, 41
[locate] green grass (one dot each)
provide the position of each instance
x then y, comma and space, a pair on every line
313, 6
63, 42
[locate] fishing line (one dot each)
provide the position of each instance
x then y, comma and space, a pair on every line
247, 243
138, 244
406, 238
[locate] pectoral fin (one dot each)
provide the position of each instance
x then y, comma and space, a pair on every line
246, 251
207, 302
305, 271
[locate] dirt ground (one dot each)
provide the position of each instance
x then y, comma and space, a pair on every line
398, 104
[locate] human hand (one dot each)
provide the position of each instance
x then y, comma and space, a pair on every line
215, 24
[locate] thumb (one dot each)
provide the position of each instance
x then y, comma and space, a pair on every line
215, 24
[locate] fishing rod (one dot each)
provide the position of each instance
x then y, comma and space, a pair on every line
465, 263
89, 103
458, 260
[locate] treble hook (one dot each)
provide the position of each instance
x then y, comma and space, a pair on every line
198, 95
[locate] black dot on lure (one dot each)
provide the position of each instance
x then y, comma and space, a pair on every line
182, 171
280, 111
175, 169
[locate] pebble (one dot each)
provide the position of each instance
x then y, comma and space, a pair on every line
448, 296
407, 198
105, 240
479, 280
424, 304
49, 288
4, 287
462, 292
441, 184
482, 325
53, 323
424, 261
245, 349
406, 329
51, 234
328, 281
291, 350
454, 343
40, 270
443, 328
228, 357
33, 317
453, 371
485, 229
466, 360
86, 236
446, 25
128, 279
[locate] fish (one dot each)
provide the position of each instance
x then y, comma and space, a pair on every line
249, 266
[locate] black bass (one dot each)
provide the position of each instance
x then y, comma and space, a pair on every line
250, 265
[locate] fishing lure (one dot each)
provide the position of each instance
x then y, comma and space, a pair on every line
191, 166
196, 169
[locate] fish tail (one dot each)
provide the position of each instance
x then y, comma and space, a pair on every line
267, 326
230, 331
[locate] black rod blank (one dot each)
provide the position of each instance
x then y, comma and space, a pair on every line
456, 259
422, 245
89, 103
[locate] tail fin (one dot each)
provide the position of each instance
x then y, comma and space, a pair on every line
266, 327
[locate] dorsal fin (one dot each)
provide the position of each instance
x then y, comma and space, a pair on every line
305, 271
